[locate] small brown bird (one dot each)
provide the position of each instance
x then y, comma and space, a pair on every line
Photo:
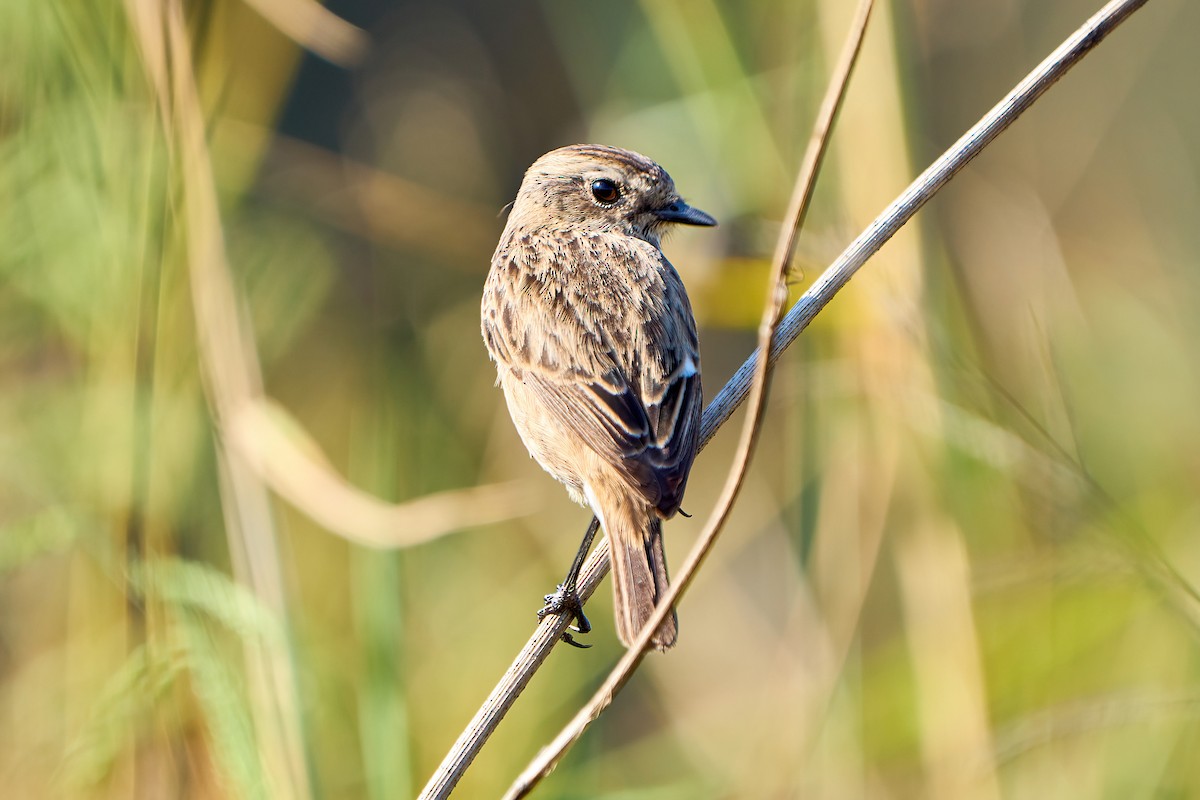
596, 349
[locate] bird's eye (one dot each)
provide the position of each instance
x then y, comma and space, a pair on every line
605, 191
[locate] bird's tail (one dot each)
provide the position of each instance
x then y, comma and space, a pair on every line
639, 569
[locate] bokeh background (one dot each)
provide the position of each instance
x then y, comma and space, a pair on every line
963, 565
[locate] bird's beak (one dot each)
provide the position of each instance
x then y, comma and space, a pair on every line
681, 212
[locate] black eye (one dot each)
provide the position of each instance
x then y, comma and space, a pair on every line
605, 191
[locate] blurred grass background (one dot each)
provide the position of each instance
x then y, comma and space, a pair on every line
963, 566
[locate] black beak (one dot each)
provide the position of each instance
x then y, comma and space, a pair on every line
681, 212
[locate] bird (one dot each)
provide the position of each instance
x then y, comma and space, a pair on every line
597, 354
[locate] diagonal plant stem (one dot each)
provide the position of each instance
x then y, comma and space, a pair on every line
735, 392
806, 180
918, 193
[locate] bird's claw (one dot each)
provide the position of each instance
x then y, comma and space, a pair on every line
566, 601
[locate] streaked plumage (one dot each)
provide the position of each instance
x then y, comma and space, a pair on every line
596, 350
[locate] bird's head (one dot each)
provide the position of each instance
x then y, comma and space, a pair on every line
599, 188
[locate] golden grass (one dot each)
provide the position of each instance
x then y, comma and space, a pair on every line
962, 567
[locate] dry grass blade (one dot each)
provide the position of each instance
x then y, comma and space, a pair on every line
311, 25
231, 375
253, 452
292, 465
549, 757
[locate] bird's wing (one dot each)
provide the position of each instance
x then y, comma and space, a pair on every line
622, 376
611, 423
674, 418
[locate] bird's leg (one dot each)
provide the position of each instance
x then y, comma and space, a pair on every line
566, 598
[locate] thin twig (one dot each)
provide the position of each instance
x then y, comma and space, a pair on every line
801, 314
806, 179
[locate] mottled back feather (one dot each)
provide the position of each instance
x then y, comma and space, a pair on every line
630, 385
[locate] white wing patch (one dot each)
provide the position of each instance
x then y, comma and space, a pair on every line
688, 368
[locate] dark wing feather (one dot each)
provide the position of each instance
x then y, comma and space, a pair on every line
676, 422
654, 456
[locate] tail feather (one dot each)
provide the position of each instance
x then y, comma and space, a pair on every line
639, 568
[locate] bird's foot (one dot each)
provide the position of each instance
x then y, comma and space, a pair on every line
565, 600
